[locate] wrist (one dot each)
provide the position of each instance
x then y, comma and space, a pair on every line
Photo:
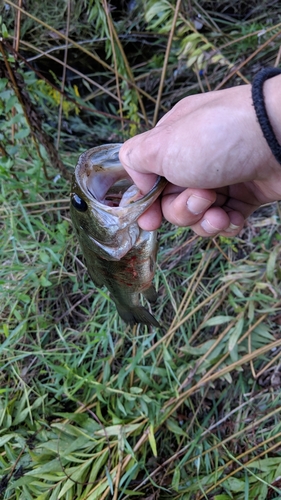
261, 108
268, 181
272, 93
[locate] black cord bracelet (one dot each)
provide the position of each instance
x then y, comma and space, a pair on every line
260, 109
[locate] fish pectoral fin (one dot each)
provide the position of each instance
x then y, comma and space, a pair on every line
150, 294
136, 314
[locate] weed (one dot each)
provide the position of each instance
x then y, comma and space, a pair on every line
91, 409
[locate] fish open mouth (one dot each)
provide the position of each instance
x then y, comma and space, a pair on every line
112, 199
105, 179
111, 192
100, 174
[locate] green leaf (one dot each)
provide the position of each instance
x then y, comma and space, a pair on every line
21, 134
6, 330
4, 31
109, 479
10, 103
44, 281
217, 320
235, 485
7, 438
115, 430
152, 441
44, 256
235, 333
200, 350
76, 475
136, 390
262, 333
176, 479
191, 61
271, 263
3, 83
175, 428
222, 497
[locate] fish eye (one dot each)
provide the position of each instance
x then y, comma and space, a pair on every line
78, 203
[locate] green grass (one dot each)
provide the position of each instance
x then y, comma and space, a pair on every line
88, 406
91, 409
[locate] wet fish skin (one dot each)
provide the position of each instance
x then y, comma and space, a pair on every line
118, 253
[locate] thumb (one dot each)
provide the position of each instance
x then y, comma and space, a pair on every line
132, 157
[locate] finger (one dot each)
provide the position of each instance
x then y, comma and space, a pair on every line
245, 208
180, 207
187, 207
216, 221
152, 218
236, 224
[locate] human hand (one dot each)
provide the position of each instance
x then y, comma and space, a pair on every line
212, 151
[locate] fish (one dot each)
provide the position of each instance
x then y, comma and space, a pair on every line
105, 206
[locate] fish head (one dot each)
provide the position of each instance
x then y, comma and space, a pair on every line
105, 204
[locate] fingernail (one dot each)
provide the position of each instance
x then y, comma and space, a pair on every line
231, 228
197, 205
205, 224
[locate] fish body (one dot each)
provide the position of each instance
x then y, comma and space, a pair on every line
105, 206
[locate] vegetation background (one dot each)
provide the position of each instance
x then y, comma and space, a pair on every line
91, 409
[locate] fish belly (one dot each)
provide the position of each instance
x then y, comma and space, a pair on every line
127, 278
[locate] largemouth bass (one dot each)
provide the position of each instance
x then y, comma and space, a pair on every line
105, 206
